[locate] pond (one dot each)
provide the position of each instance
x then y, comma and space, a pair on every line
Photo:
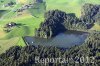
66, 40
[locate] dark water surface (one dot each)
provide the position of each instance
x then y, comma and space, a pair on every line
68, 39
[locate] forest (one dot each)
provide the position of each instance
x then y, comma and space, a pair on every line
56, 18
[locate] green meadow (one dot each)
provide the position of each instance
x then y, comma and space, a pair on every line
69, 6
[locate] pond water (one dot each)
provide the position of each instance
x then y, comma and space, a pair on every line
68, 39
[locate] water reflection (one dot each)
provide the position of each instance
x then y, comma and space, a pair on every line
65, 40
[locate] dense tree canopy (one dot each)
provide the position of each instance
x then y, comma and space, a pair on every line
57, 21
18, 56
90, 13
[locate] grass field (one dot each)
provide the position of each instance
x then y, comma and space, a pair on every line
69, 6
22, 1
6, 44
96, 27
30, 23
15, 36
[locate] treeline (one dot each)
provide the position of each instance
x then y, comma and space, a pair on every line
57, 21
52, 24
18, 56
90, 13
